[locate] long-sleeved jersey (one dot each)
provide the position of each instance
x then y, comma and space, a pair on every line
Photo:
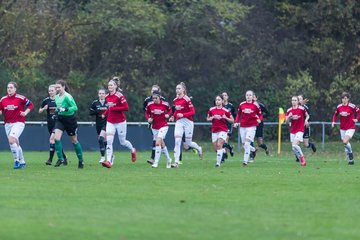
249, 113
50, 111
297, 120
184, 105
117, 105
11, 106
219, 124
347, 114
97, 109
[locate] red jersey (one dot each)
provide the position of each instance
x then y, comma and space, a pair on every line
157, 112
117, 105
11, 106
347, 114
219, 124
249, 114
184, 105
297, 120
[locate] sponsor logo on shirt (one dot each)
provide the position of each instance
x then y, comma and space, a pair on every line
157, 111
344, 114
247, 110
11, 107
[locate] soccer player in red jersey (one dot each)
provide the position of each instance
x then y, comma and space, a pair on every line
183, 115
347, 111
307, 131
249, 115
116, 121
220, 117
157, 112
298, 117
15, 107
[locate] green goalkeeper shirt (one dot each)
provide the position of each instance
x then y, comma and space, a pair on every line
65, 101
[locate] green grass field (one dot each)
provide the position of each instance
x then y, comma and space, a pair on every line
270, 199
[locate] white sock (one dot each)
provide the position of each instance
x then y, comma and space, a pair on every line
21, 155
157, 154
109, 147
15, 151
192, 144
252, 149
246, 152
166, 153
219, 155
177, 149
126, 143
348, 148
297, 151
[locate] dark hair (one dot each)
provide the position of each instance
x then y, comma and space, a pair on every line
102, 89
64, 84
13, 83
220, 96
345, 94
156, 93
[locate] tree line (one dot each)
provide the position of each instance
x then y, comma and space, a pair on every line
277, 48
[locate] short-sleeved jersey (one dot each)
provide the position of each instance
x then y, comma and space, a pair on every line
65, 101
347, 114
157, 112
50, 111
184, 105
249, 113
219, 124
297, 120
11, 106
117, 105
97, 109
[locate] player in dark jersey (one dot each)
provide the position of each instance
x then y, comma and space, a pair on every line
259, 134
49, 105
154, 88
97, 109
306, 140
229, 106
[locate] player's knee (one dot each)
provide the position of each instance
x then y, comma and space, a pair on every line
12, 140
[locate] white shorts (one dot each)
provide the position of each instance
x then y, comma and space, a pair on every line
247, 133
111, 128
14, 129
349, 132
217, 135
160, 133
184, 125
296, 136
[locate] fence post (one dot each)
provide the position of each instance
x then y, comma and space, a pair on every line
323, 136
239, 139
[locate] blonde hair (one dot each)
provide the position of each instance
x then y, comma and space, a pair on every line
182, 84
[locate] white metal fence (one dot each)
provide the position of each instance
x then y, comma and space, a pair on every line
322, 133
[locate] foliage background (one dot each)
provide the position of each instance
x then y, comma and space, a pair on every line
276, 47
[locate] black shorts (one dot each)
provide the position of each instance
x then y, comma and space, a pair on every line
307, 132
67, 123
51, 127
100, 127
260, 131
